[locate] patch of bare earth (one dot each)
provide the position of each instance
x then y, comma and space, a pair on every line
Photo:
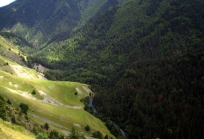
79, 91
87, 90
40, 68
19, 71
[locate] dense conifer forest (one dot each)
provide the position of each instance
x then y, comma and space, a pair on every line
144, 60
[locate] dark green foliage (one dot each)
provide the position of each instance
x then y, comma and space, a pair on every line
13, 119
24, 108
158, 98
76, 93
87, 128
54, 134
154, 4
41, 136
87, 107
6, 64
139, 60
46, 21
107, 6
102, 47
33, 92
18, 40
130, 56
46, 126
74, 134
2, 108
112, 128
9, 102
106, 137
2, 99
98, 135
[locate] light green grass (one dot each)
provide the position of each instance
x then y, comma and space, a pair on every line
62, 92
10, 131
16, 80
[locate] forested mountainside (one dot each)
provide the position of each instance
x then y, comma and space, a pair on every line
144, 60
125, 35
41, 21
131, 55
157, 98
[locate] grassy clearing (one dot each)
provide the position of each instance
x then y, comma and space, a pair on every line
55, 102
10, 131
69, 114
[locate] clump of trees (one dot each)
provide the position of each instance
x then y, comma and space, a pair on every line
98, 135
33, 92
3, 112
87, 128
24, 108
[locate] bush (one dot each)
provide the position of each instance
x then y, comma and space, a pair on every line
87, 128
24, 108
2, 110
46, 126
33, 92
54, 134
41, 136
98, 135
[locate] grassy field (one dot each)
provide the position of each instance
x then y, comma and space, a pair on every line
10, 131
54, 102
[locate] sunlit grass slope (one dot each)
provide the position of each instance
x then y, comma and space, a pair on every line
8, 51
10, 131
54, 102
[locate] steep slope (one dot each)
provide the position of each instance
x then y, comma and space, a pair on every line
157, 98
11, 51
10, 59
124, 35
40, 22
127, 53
113, 54
9, 131
53, 102
56, 103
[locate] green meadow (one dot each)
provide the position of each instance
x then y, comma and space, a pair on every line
54, 102
10, 131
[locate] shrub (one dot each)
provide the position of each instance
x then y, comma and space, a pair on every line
46, 126
98, 135
87, 128
41, 136
33, 92
24, 108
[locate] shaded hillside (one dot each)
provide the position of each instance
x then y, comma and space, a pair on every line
125, 34
157, 98
133, 57
56, 103
40, 22
144, 59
